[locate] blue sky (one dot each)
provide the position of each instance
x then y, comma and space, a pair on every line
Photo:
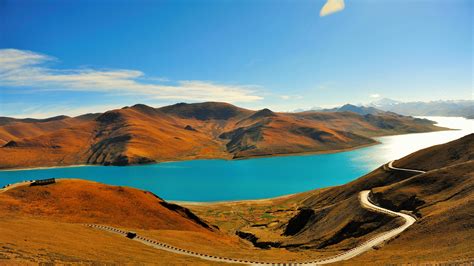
72, 57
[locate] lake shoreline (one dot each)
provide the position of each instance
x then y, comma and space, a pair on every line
45, 167
196, 159
227, 202
233, 181
374, 138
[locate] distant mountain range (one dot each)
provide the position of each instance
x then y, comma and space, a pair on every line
143, 134
461, 108
464, 108
361, 110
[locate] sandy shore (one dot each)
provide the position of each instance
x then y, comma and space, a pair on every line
206, 203
45, 167
217, 158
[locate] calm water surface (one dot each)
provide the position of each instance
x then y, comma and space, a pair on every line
217, 180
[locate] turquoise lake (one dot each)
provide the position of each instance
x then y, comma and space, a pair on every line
222, 180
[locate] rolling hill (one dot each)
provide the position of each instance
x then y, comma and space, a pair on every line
46, 224
143, 134
79, 201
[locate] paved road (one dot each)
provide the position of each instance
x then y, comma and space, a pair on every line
391, 167
364, 199
365, 202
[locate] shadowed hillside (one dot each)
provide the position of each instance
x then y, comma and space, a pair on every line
143, 134
439, 156
457, 177
443, 201
206, 111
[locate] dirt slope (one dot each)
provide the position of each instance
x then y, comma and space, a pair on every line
46, 224
442, 199
439, 156
82, 201
29, 241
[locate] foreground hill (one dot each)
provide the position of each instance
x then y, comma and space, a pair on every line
46, 224
333, 219
142, 134
89, 202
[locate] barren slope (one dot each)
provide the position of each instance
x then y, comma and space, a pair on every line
142, 134
46, 224
461, 169
443, 201
81, 201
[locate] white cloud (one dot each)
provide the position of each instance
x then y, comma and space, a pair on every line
331, 6
20, 68
22, 110
291, 97
375, 95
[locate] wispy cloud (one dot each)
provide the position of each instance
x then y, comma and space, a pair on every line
20, 68
375, 95
331, 6
22, 110
291, 97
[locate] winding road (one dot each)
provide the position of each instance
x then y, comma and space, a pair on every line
369, 244
391, 167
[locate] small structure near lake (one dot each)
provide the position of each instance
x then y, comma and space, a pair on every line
42, 182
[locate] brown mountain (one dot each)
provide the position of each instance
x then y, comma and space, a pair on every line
142, 134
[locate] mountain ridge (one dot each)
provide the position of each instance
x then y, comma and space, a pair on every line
143, 134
